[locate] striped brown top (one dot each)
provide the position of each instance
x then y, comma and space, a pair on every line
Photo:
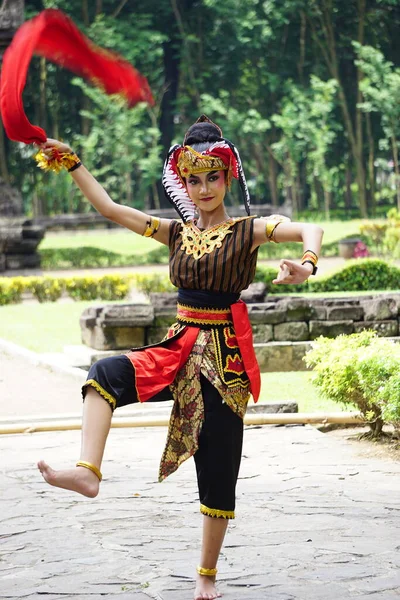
230, 268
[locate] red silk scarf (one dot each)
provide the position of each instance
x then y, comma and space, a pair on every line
54, 36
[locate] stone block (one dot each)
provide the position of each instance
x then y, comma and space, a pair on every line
297, 309
2, 262
383, 328
292, 331
320, 313
351, 313
262, 333
380, 309
340, 301
114, 338
273, 407
266, 312
162, 300
254, 293
282, 356
155, 334
330, 329
126, 315
165, 320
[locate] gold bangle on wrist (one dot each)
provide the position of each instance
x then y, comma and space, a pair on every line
207, 572
310, 257
57, 161
152, 227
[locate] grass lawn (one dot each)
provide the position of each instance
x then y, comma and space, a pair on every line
51, 326
120, 241
125, 242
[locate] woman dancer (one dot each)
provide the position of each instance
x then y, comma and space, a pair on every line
207, 361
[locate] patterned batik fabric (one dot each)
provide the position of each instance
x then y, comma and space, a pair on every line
222, 365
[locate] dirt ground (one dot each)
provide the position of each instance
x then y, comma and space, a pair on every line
385, 448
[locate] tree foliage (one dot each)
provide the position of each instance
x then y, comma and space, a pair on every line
308, 91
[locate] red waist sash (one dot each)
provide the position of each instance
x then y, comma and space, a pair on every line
157, 366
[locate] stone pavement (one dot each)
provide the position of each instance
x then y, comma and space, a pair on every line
316, 520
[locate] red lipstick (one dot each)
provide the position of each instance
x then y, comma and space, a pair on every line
207, 199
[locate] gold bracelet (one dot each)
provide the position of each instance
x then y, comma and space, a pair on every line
207, 572
57, 161
93, 468
310, 256
151, 227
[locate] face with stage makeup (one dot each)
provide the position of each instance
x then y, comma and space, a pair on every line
207, 190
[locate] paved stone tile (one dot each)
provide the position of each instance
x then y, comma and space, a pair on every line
314, 521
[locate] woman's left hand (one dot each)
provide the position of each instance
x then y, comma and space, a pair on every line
291, 272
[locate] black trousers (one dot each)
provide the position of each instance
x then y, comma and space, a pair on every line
219, 454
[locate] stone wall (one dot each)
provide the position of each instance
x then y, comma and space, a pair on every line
283, 327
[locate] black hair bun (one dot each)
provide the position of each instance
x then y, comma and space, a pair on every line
201, 133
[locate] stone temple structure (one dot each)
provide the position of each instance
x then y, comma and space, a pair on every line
19, 237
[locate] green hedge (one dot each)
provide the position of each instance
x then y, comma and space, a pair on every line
357, 275
50, 289
90, 257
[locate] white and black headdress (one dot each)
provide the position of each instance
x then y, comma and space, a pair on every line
183, 161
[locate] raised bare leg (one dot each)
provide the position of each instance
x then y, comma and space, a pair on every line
213, 536
95, 427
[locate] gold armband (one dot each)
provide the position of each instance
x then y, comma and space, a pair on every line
272, 223
151, 227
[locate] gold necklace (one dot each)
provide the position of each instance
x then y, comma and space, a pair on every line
198, 243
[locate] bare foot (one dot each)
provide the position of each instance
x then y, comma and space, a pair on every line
79, 479
205, 588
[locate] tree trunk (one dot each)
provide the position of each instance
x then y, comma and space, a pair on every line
371, 165
167, 109
327, 203
348, 198
395, 152
5, 175
273, 180
186, 47
329, 52
42, 94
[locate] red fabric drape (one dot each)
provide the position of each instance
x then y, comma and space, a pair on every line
53, 35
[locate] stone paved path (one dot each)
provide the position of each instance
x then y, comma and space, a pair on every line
315, 521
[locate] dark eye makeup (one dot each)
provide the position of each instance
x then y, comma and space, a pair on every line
212, 177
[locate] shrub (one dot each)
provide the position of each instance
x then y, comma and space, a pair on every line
11, 290
358, 370
45, 289
357, 275
113, 287
90, 257
108, 287
153, 283
389, 398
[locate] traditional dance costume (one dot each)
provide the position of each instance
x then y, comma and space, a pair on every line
206, 361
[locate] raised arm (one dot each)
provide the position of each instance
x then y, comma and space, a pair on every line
128, 217
273, 229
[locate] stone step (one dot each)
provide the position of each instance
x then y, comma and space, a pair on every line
272, 356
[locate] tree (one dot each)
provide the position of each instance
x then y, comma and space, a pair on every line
381, 91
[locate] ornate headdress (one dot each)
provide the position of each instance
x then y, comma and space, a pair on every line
183, 161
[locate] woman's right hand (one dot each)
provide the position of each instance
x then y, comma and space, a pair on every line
50, 143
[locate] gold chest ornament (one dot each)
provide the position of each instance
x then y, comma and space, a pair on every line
197, 243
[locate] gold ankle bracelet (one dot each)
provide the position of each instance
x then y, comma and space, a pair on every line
207, 572
93, 468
